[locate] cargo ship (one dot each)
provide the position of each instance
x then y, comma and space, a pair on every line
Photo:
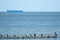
14, 10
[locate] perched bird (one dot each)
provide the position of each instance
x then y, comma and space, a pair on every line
56, 34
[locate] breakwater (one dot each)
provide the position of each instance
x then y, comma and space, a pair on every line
28, 37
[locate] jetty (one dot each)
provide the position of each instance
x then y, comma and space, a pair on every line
28, 37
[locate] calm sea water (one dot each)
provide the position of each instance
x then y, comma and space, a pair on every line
33, 39
26, 23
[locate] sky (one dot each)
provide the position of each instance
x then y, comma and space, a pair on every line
31, 5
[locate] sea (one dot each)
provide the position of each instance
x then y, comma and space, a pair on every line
26, 23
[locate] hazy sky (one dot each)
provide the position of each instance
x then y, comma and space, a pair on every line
30, 5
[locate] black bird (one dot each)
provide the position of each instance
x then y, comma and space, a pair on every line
56, 34
34, 34
41, 35
1, 35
